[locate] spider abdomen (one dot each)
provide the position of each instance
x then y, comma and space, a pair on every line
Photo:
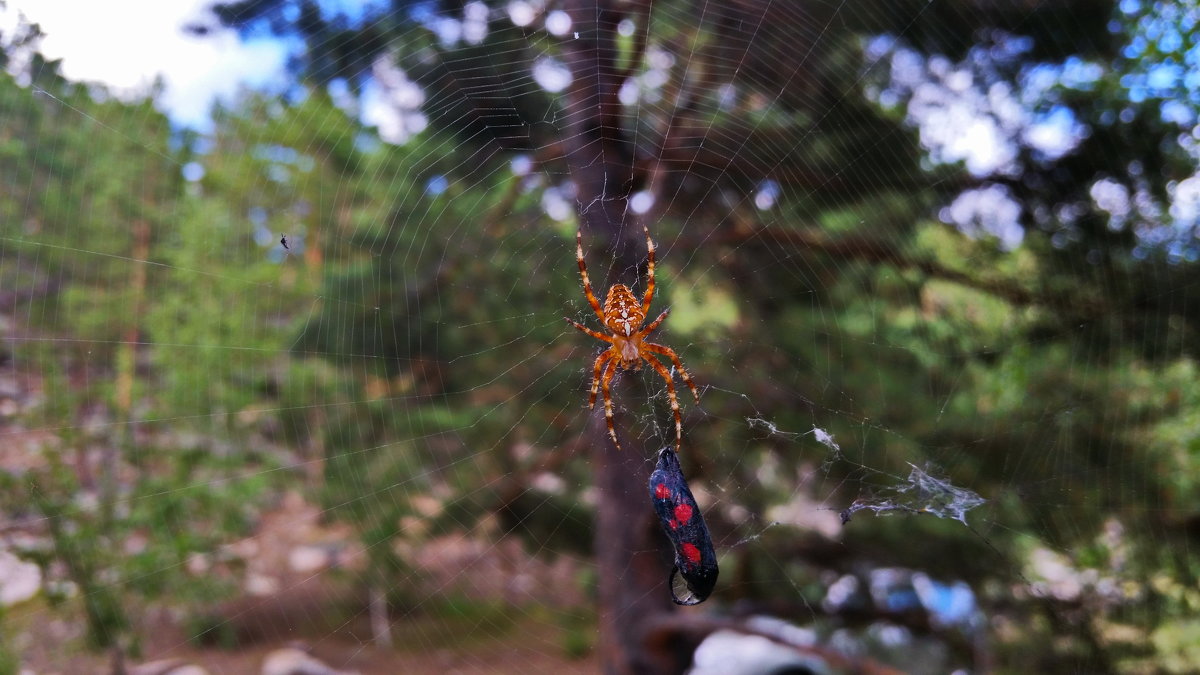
622, 311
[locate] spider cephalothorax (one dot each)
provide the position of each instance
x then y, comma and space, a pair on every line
623, 315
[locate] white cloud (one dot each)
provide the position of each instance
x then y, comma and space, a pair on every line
126, 44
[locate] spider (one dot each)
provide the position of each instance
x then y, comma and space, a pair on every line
622, 315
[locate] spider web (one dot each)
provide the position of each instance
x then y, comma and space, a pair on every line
375, 439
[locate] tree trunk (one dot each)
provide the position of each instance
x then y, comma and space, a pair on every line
381, 625
632, 562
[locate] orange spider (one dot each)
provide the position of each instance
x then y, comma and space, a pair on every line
622, 315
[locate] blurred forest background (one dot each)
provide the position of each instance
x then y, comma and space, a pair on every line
933, 265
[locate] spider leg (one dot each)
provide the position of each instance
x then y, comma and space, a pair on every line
654, 324
587, 283
670, 353
611, 369
601, 361
649, 272
666, 375
589, 331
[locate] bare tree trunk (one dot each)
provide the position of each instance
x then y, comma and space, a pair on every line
630, 556
117, 661
126, 367
597, 151
381, 625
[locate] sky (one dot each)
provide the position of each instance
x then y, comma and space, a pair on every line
97, 42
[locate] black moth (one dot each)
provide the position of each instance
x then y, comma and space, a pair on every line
695, 559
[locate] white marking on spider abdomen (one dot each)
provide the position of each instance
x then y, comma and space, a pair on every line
622, 312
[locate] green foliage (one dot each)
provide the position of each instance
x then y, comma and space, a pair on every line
211, 628
579, 636
123, 505
1178, 645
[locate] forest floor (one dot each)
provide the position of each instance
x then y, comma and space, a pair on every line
448, 638
531, 647
473, 606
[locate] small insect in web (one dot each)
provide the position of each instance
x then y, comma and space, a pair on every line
695, 559
622, 315
283, 240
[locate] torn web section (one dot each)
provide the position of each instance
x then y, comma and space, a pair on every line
920, 493
820, 435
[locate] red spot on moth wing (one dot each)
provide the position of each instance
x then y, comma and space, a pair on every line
674, 524
662, 491
691, 553
683, 513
